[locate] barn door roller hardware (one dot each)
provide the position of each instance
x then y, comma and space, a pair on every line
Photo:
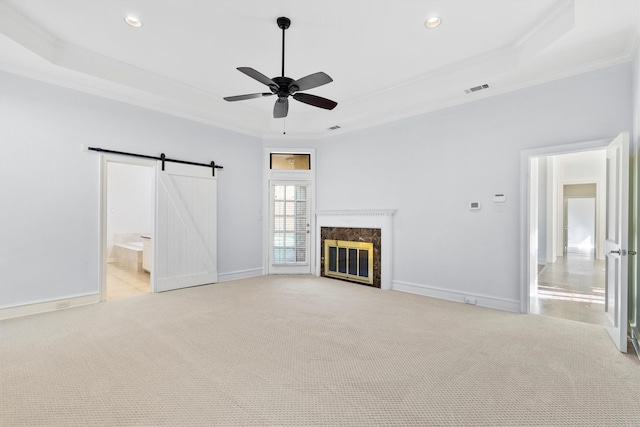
162, 158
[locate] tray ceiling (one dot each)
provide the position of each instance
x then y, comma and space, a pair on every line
386, 65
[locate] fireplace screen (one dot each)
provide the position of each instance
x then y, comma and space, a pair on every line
349, 260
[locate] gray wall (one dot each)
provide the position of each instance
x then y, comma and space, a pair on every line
634, 295
429, 168
49, 187
542, 210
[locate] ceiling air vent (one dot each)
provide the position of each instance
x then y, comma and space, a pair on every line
334, 127
476, 88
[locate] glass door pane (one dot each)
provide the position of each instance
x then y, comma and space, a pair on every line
290, 243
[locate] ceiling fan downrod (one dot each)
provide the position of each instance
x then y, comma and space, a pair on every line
283, 23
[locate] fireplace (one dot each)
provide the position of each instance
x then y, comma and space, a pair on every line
351, 233
346, 250
346, 260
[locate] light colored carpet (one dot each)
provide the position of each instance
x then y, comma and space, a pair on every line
303, 351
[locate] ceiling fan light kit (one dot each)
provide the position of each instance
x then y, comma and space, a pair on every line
284, 86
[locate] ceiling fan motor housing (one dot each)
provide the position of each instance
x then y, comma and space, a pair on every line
285, 86
283, 22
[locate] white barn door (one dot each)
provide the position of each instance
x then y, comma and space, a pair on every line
185, 248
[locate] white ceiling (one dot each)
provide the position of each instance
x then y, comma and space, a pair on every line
385, 64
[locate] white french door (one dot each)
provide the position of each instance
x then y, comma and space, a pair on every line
616, 239
289, 227
185, 247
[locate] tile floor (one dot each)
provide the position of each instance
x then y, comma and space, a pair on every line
122, 282
571, 288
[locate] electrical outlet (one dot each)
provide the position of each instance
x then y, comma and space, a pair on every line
63, 304
469, 300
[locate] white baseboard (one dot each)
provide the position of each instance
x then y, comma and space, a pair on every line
43, 307
458, 296
241, 274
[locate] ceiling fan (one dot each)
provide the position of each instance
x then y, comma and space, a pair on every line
284, 87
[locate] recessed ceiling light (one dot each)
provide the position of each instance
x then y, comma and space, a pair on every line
433, 22
133, 21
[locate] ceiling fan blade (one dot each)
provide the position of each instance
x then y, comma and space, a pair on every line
249, 96
281, 108
313, 80
316, 101
257, 75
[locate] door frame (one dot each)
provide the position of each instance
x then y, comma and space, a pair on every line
105, 159
269, 176
526, 156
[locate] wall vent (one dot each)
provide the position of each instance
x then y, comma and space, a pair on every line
334, 127
476, 88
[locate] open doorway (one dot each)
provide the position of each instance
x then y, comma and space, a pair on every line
580, 222
567, 203
128, 214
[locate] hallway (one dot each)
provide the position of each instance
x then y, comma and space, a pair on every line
571, 288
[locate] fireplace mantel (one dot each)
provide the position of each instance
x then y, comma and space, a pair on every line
358, 213
363, 218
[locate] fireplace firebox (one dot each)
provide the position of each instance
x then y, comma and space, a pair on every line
349, 260
352, 254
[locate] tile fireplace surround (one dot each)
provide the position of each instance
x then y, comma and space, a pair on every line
369, 218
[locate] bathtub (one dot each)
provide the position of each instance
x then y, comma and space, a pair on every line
128, 255
131, 246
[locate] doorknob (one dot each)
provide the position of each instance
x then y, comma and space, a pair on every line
623, 252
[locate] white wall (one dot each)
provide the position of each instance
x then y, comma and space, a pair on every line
582, 224
542, 210
634, 297
129, 201
429, 168
49, 187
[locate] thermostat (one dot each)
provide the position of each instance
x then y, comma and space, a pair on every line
499, 198
474, 206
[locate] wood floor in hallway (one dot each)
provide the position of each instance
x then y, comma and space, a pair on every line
123, 283
571, 288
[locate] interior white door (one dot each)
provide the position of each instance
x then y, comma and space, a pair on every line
289, 228
185, 247
617, 219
